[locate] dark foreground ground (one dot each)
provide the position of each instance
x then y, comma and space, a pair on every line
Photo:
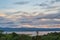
14, 36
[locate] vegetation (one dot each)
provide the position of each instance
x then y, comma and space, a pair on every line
14, 36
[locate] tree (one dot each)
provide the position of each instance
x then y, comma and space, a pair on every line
1, 33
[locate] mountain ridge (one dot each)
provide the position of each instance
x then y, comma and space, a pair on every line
29, 29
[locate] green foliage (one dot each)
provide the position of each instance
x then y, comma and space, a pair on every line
49, 36
14, 36
1, 33
25, 37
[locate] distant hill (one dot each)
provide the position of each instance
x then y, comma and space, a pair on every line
29, 29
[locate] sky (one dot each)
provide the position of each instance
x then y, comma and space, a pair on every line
30, 13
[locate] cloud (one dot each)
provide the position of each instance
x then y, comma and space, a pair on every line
25, 21
49, 16
45, 17
20, 19
3, 15
22, 2
37, 20
42, 4
57, 0
53, 16
48, 4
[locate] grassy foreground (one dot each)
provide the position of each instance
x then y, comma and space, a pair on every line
14, 36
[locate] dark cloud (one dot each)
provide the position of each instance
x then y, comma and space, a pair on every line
24, 20
48, 4
42, 4
53, 16
52, 2
57, 0
49, 16
6, 22
22, 2
47, 22
50, 22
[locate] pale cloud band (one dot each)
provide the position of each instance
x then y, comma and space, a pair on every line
20, 20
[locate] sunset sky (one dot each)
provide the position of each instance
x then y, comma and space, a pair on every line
30, 13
